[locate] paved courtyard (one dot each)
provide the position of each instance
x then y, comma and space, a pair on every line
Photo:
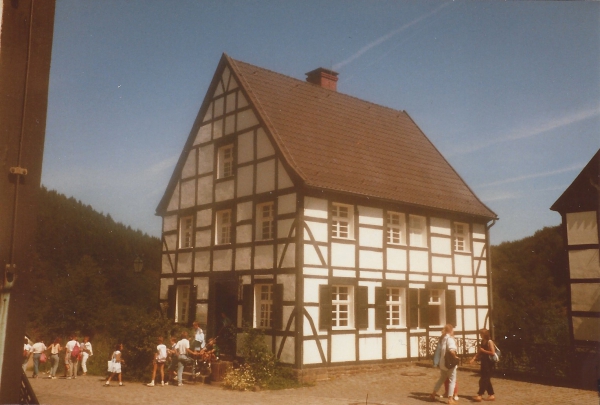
407, 386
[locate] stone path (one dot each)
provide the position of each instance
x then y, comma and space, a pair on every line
406, 386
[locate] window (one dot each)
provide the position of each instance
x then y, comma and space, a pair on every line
461, 237
436, 308
341, 221
265, 227
418, 231
223, 227
341, 307
431, 307
183, 303
264, 305
225, 160
395, 307
396, 229
185, 232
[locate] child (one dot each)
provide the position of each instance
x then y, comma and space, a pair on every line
115, 365
173, 356
160, 357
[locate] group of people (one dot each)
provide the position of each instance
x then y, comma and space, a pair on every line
72, 354
446, 358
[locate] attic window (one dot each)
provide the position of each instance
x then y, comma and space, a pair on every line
342, 220
225, 160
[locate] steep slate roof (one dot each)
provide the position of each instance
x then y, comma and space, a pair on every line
338, 142
584, 193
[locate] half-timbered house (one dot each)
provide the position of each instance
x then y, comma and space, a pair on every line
330, 222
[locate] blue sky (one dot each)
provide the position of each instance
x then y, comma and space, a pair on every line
509, 92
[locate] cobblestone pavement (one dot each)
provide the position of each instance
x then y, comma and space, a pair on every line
407, 386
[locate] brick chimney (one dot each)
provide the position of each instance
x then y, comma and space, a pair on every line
323, 77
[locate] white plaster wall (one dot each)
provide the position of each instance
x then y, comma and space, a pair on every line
418, 277
459, 321
246, 119
441, 265
283, 178
419, 261
174, 201
439, 225
244, 211
289, 286
283, 228
265, 173
440, 245
582, 228
414, 346
287, 312
288, 355
286, 204
482, 295
463, 265
318, 230
164, 287
370, 216
188, 193
224, 190
289, 259
264, 148
478, 231
222, 260
468, 295
585, 297
370, 348
189, 167
201, 261
202, 290
470, 320
395, 345
370, 274
370, 237
457, 290
311, 256
208, 115
344, 273
245, 180
481, 314
243, 233
243, 258
203, 134
310, 352
169, 223
396, 259
479, 249
370, 260
395, 276
204, 217
343, 348
263, 257
203, 238
342, 255
482, 265
229, 124
205, 191
311, 293
585, 328
584, 263
245, 152
314, 271
184, 262
170, 241
217, 129
315, 207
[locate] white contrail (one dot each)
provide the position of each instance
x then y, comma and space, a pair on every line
534, 175
386, 37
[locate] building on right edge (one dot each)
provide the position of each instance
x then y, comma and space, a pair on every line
580, 211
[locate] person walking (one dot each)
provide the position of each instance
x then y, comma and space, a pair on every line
72, 357
115, 365
160, 357
447, 356
183, 349
37, 349
486, 349
86, 352
55, 349
26, 354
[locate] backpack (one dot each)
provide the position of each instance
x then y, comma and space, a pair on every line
75, 352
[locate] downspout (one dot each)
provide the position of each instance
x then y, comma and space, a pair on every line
490, 291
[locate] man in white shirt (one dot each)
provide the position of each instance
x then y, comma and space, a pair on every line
37, 349
183, 348
26, 353
448, 348
73, 362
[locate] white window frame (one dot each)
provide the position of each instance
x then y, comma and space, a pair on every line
223, 227
461, 238
417, 230
225, 161
263, 306
186, 230
437, 298
395, 304
265, 225
342, 309
342, 221
396, 228
182, 303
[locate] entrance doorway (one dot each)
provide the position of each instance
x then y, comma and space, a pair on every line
224, 314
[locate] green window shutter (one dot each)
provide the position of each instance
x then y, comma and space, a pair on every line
424, 308
413, 308
171, 297
248, 305
277, 321
362, 307
324, 307
451, 307
192, 303
380, 308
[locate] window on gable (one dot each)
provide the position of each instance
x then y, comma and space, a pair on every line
185, 231
461, 237
265, 224
342, 217
396, 228
395, 307
223, 227
225, 161
418, 231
